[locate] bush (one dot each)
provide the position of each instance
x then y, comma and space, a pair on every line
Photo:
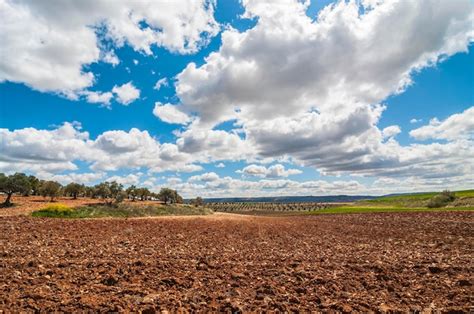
441, 199
449, 195
54, 210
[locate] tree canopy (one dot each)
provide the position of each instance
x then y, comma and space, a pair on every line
108, 191
16, 183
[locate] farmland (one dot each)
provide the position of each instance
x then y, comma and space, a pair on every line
464, 200
228, 262
406, 259
265, 207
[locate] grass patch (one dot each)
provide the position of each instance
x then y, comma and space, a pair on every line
123, 211
374, 209
411, 200
465, 193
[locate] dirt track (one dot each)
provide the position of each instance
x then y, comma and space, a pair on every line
416, 261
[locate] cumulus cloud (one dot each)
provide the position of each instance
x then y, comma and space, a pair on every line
82, 178
289, 64
50, 150
391, 131
126, 93
295, 91
46, 45
289, 83
136, 149
54, 151
110, 57
170, 114
457, 126
205, 177
214, 145
274, 171
98, 97
211, 185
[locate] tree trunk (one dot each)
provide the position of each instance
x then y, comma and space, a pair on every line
7, 201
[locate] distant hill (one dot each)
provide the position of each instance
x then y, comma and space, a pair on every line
291, 199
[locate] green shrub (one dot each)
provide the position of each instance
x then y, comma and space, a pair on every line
441, 200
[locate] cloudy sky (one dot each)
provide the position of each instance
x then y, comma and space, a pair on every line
240, 98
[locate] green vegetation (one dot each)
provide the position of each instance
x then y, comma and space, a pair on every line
51, 189
441, 200
110, 192
74, 189
444, 201
375, 209
121, 211
419, 199
54, 210
16, 183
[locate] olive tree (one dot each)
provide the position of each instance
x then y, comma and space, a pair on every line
74, 189
51, 189
35, 185
198, 201
132, 192
16, 183
143, 193
109, 190
169, 196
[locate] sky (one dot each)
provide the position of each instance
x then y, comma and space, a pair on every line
240, 98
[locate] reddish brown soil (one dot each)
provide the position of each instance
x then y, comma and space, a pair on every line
379, 262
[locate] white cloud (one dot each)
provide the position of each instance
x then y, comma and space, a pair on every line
296, 93
274, 171
136, 149
98, 97
414, 120
131, 179
126, 93
54, 151
290, 84
391, 131
170, 114
161, 82
213, 145
110, 57
216, 186
82, 178
47, 44
46, 150
205, 177
135, 61
425, 167
289, 64
460, 125
220, 165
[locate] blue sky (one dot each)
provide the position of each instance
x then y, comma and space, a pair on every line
259, 99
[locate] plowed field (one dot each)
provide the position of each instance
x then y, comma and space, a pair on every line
225, 262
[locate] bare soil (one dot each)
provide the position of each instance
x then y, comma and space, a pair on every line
226, 262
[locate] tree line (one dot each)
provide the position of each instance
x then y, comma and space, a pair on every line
110, 192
